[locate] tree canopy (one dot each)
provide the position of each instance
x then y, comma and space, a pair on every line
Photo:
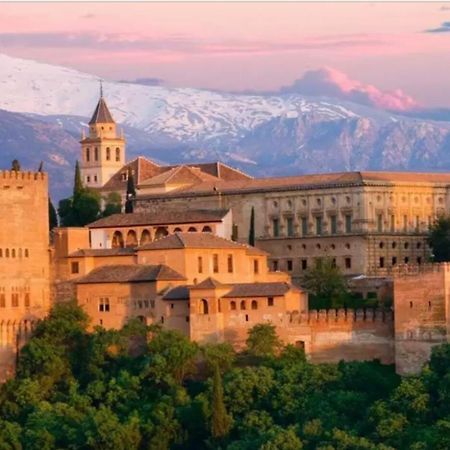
439, 239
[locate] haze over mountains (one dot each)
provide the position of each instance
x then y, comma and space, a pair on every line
44, 107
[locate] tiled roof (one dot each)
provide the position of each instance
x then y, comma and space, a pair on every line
163, 217
258, 290
101, 113
177, 293
304, 182
196, 240
103, 252
208, 283
130, 274
179, 175
218, 169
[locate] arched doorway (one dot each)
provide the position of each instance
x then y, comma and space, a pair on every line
161, 232
145, 237
117, 240
131, 239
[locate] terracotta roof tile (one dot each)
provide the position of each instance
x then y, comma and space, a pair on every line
130, 274
103, 252
208, 283
258, 290
179, 175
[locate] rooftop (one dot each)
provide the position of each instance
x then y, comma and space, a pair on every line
130, 274
101, 113
258, 289
103, 252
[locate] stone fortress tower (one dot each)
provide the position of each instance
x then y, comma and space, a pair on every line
103, 150
24, 260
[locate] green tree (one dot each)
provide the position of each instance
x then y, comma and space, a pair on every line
251, 233
221, 355
77, 183
263, 340
220, 420
113, 204
15, 165
326, 284
131, 192
52, 216
439, 239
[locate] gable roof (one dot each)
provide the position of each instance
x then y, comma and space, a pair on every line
197, 240
258, 289
179, 175
101, 113
163, 217
208, 283
138, 273
177, 293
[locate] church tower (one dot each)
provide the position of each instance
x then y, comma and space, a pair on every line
103, 151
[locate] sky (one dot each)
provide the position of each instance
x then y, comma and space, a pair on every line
392, 54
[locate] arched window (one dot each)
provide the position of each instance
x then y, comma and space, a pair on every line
131, 239
243, 304
26, 253
96, 154
88, 155
192, 230
117, 240
254, 304
145, 237
204, 306
206, 229
7, 252
1, 253
108, 153
177, 230
161, 232
233, 305
117, 154
13, 253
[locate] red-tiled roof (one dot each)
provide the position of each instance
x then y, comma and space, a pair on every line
208, 283
258, 290
103, 252
130, 274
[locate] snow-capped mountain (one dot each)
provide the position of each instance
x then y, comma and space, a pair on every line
263, 134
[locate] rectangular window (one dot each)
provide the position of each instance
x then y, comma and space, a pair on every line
14, 300
95, 178
27, 300
216, 263
319, 225
348, 263
276, 227
88, 155
348, 223
405, 223
255, 266
230, 263
289, 265
380, 223
108, 153
381, 263
2, 301
103, 305
75, 267
275, 265
394, 260
304, 264
270, 301
304, 226
392, 223
88, 179
117, 154
200, 264
333, 223
96, 153
290, 226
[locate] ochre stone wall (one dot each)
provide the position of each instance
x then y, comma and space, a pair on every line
24, 260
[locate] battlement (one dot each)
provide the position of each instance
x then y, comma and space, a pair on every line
406, 270
12, 175
342, 316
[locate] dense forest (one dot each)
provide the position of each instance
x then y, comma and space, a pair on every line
148, 388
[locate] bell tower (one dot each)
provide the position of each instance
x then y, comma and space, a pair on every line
103, 150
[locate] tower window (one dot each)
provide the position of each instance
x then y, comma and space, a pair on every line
230, 263
117, 154
88, 179
88, 155
108, 153
96, 154
200, 264
216, 263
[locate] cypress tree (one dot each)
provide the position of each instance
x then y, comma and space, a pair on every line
251, 234
52, 216
77, 183
131, 193
220, 420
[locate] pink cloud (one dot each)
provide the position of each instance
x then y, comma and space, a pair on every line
329, 82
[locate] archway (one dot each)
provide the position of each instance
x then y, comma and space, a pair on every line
192, 230
254, 304
145, 237
161, 232
177, 230
206, 229
204, 309
117, 240
131, 239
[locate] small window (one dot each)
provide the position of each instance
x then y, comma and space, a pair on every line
276, 227
254, 304
394, 260
348, 263
108, 153
419, 260
381, 262
304, 264
200, 264
270, 301
7, 253
319, 225
96, 154
88, 155
379, 223
289, 265
348, 223
27, 300
26, 253
304, 226
255, 266
15, 300
243, 305
233, 305
290, 226
429, 306
2, 301
216, 263
117, 154
88, 179
246, 317
406, 260
333, 222
103, 305
410, 304
230, 263
187, 318
95, 178
275, 265
75, 267
1, 253
13, 253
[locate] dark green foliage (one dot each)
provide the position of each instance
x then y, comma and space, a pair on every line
251, 233
113, 204
131, 193
439, 239
15, 165
137, 388
52, 216
77, 183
